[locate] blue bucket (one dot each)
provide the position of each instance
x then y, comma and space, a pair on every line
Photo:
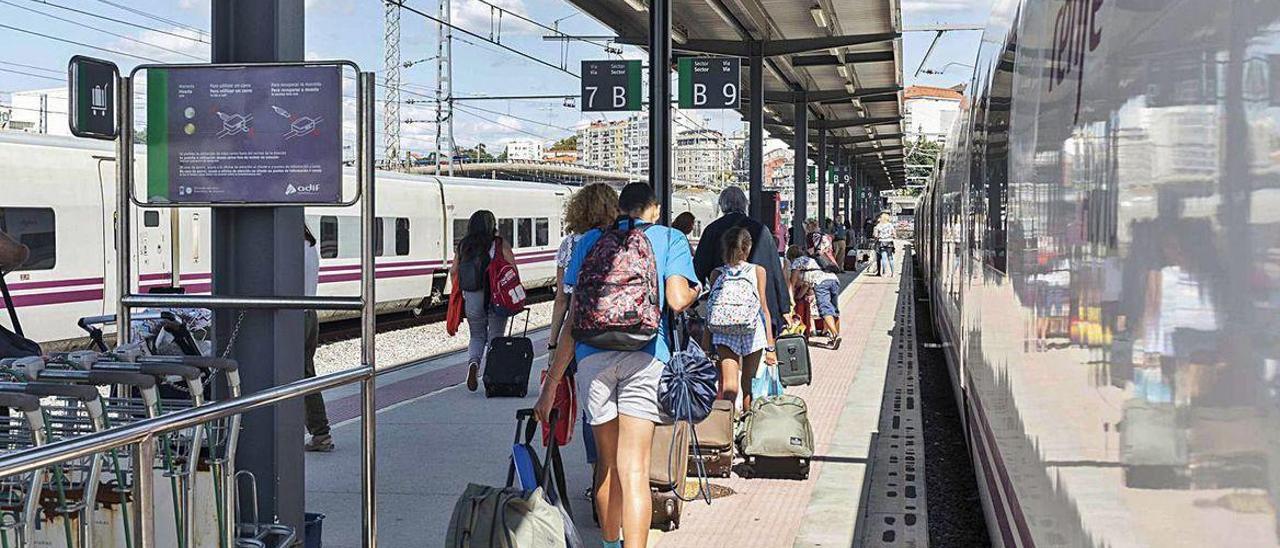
312, 530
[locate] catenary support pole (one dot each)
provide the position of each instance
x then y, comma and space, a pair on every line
800, 200
755, 139
258, 251
660, 104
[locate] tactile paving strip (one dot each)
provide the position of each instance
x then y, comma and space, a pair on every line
893, 505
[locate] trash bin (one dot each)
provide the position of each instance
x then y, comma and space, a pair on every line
312, 530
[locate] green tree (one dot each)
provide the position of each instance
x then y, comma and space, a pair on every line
570, 142
923, 158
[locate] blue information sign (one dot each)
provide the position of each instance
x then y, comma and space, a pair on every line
253, 134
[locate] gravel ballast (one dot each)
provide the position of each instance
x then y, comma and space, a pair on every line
414, 343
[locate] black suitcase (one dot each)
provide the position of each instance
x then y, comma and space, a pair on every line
507, 365
793, 360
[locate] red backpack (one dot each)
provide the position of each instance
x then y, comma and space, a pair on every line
505, 289
616, 298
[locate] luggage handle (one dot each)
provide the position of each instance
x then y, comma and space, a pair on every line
527, 313
556, 491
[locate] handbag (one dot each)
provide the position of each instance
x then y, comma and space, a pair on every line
453, 314
566, 405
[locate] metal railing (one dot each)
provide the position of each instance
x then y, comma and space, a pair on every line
142, 435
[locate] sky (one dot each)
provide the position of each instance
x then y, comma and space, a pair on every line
176, 31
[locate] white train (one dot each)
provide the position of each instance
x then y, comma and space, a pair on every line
1102, 248
58, 197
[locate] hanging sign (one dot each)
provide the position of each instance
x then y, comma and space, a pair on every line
92, 97
248, 134
611, 86
710, 82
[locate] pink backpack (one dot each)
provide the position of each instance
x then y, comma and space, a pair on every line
616, 298
505, 289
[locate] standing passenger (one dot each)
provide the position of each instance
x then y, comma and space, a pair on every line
764, 252
839, 240
622, 386
805, 272
471, 265
685, 222
317, 417
591, 208
739, 354
884, 242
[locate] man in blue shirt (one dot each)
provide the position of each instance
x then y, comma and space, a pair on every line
622, 387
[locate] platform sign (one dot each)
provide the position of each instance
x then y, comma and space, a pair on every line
92, 97
710, 82
611, 86
268, 134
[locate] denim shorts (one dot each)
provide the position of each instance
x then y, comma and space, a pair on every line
827, 294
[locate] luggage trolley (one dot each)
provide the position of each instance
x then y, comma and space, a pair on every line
69, 488
21, 426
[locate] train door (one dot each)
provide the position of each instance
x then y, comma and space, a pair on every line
107, 191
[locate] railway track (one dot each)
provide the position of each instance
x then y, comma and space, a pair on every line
340, 330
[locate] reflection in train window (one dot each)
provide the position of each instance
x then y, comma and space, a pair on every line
507, 230
459, 231
34, 228
151, 219
542, 229
328, 237
526, 232
402, 236
349, 245
378, 232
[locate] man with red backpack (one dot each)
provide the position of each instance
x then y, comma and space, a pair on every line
622, 276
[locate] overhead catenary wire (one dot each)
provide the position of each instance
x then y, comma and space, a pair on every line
81, 44
102, 30
123, 21
154, 17
31, 74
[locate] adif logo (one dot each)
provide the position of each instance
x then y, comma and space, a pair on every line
290, 190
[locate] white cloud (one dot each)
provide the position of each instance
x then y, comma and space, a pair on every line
482, 18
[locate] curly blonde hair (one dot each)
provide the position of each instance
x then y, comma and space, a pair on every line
595, 205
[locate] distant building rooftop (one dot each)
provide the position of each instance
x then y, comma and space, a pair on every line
930, 92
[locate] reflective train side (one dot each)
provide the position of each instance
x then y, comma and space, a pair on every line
1102, 248
59, 200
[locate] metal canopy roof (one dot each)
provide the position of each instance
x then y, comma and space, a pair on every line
845, 55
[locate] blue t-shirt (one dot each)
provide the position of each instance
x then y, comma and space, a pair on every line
670, 250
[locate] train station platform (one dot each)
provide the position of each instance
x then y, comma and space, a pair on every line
435, 437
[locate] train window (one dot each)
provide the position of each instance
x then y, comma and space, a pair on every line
542, 232
459, 230
378, 232
349, 245
525, 233
151, 219
402, 236
507, 229
34, 228
328, 237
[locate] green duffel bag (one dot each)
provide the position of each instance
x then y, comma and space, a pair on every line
505, 517
777, 427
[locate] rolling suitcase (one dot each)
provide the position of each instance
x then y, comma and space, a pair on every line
793, 361
507, 365
777, 439
668, 460
713, 442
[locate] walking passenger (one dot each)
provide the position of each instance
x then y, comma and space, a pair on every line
317, 417
839, 240
592, 208
471, 266
884, 242
764, 252
738, 318
621, 369
805, 272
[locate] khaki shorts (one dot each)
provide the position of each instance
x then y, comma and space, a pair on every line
620, 383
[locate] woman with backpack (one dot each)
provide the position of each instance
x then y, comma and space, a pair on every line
738, 318
470, 266
623, 277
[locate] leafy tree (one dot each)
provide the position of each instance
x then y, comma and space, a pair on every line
570, 142
923, 157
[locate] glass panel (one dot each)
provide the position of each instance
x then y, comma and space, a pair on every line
34, 228
526, 233
378, 244
542, 229
328, 237
402, 236
349, 241
459, 230
151, 219
507, 229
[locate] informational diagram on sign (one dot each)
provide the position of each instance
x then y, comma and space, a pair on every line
268, 134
